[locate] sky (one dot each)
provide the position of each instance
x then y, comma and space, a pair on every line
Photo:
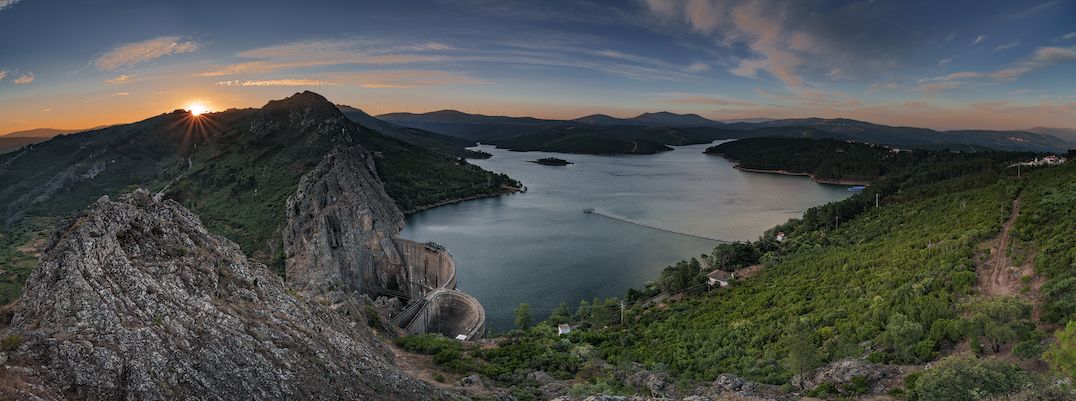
983, 64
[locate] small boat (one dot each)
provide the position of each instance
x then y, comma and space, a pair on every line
588, 210
856, 188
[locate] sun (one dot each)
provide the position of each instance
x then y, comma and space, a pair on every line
197, 109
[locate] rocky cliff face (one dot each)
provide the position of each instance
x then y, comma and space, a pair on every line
340, 228
135, 300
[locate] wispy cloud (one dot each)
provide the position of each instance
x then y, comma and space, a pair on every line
978, 39
5, 4
687, 98
24, 79
121, 93
930, 88
1068, 36
1041, 58
122, 79
3, 74
147, 50
275, 82
945, 61
329, 52
747, 23
1006, 46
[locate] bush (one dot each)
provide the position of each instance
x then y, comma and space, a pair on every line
967, 378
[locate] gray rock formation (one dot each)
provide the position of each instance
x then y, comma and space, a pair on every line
340, 225
134, 299
880, 378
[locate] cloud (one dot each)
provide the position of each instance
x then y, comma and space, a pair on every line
1041, 58
122, 79
945, 61
1068, 36
748, 23
3, 74
956, 76
121, 93
140, 52
5, 4
978, 39
366, 79
24, 79
317, 53
46, 110
812, 97
1006, 46
891, 85
698, 67
931, 88
275, 82
682, 98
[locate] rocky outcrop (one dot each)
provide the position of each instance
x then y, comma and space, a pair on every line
134, 299
340, 226
879, 378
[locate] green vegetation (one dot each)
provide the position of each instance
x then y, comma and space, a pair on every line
523, 317
894, 283
551, 161
966, 378
828, 159
1062, 355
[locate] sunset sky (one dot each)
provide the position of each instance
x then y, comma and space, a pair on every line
940, 64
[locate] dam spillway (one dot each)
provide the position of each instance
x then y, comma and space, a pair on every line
435, 305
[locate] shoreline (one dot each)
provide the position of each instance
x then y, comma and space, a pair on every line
503, 191
824, 181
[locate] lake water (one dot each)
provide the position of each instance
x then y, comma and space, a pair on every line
540, 248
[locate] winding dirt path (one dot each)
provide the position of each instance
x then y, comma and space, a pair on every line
998, 278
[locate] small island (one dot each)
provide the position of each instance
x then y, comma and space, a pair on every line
551, 161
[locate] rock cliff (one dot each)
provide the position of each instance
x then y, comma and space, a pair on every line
340, 225
134, 299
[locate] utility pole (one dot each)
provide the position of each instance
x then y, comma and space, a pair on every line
622, 321
876, 195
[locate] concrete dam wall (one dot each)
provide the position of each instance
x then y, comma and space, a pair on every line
436, 306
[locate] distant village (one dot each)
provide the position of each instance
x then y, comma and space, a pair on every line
1052, 160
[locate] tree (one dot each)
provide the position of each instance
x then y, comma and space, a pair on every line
802, 354
1062, 355
523, 317
560, 314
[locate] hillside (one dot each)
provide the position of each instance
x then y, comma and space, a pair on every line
448, 145
235, 169
851, 302
548, 135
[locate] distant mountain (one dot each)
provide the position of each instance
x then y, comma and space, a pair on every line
602, 119
10, 144
1066, 134
747, 120
449, 145
525, 133
667, 119
41, 132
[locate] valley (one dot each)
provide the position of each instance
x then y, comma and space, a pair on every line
888, 292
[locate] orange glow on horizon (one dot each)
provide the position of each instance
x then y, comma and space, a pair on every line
197, 108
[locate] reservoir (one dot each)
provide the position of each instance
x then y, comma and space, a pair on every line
540, 248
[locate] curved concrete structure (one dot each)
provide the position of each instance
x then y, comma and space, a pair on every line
436, 306
450, 313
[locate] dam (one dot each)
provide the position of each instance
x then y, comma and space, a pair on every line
435, 306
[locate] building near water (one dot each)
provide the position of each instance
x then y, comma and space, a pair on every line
720, 277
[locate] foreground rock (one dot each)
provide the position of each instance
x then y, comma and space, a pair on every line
133, 299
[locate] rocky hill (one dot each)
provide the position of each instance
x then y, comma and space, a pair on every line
135, 299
